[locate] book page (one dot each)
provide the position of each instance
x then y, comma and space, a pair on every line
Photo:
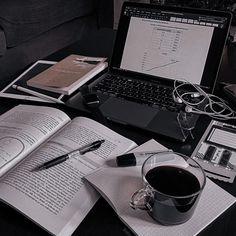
118, 185
24, 128
59, 194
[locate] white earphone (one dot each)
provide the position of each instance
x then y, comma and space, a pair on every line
220, 110
177, 99
188, 109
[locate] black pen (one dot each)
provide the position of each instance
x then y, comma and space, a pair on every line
82, 150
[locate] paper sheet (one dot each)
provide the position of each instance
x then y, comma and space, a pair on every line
127, 180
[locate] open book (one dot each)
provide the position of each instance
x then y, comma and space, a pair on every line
58, 198
117, 185
69, 74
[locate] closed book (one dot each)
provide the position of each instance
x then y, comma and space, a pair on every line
69, 74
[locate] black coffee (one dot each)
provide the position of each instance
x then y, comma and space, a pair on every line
174, 182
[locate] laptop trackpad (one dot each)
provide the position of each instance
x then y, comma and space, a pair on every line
127, 112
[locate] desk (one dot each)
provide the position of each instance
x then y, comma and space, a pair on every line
102, 220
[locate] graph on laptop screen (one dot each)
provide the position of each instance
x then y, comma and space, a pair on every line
173, 45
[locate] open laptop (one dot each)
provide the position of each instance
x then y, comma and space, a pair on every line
156, 45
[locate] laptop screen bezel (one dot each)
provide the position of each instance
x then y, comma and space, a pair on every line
214, 57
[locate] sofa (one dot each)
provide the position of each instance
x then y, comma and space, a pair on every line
31, 30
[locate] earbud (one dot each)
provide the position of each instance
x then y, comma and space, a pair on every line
195, 95
188, 109
177, 99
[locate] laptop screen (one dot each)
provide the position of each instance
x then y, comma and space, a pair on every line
171, 43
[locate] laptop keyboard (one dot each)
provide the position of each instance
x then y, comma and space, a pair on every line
138, 91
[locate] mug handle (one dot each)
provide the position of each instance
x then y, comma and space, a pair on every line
139, 199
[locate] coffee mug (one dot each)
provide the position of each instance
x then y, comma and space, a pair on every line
173, 184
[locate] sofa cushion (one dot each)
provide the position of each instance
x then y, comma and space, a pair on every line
25, 19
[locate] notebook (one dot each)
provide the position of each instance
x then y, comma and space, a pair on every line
154, 46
